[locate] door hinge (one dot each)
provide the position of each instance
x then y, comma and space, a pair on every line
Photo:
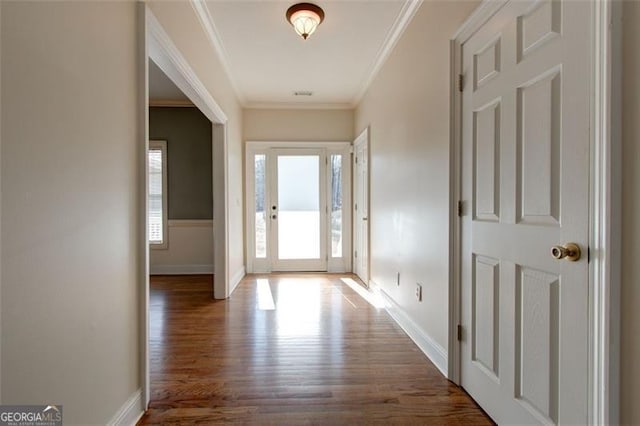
355, 254
326, 160
460, 82
356, 159
356, 207
459, 333
460, 208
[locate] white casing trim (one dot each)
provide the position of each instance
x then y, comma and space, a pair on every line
143, 188
436, 353
605, 214
130, 412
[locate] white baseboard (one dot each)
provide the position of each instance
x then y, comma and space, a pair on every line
236, 278
130, 412
180, 269
436, 353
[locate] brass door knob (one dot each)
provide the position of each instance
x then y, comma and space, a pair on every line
570, 251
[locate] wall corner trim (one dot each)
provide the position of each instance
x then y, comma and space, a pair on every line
436, 353
130, 412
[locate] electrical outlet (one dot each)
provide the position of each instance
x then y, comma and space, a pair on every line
398, 279
419, 292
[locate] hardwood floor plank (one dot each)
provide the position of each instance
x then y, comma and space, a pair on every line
319, 354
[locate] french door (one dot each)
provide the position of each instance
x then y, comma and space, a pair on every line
294, 209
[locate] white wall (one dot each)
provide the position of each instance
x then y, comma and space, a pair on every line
181, 23
298, 125
189, 249
69, 177
407, 109
630, 332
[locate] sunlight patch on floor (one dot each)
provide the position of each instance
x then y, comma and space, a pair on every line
265, 298
373, 299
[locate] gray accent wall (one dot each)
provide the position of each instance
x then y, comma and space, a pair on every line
188, 135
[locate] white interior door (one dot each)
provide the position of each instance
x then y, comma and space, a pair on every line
361, 207
298, 209
525, 174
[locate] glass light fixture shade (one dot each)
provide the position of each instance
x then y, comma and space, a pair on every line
305, 18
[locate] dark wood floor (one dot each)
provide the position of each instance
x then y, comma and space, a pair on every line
289, 349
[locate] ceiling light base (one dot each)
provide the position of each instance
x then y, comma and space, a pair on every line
305, 18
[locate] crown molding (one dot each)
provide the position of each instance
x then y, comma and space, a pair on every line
401, 23
298, 105
169, 59
407, 12
206, 20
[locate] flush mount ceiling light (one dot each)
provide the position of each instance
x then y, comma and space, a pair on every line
305, 18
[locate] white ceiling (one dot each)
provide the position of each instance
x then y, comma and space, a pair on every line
267, 61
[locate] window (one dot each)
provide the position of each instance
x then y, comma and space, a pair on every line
158, 194
336, 205
261, 212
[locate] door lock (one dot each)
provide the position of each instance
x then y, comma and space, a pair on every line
570, 251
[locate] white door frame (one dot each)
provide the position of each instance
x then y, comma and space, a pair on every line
362, 139
605, 204
155, 43
264, 147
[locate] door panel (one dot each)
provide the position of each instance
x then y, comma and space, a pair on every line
525, 144
538, 150
299, 214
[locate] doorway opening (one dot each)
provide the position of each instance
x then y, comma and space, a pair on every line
298, 215
158, 51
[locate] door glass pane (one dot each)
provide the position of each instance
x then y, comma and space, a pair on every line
261, 212
336, 205
298, 207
